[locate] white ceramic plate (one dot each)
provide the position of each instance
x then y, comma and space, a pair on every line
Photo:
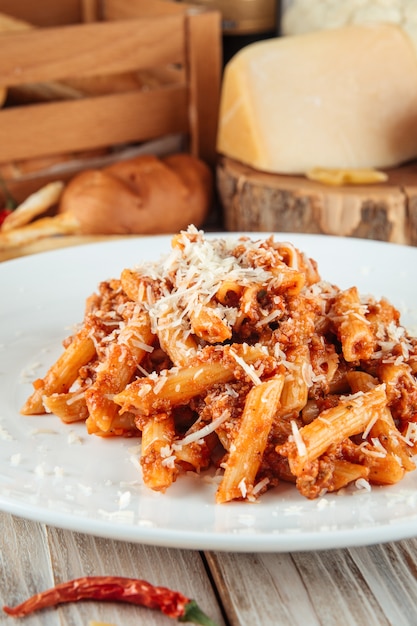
59, 475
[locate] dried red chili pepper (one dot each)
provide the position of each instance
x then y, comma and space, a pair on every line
3, 214
116, 588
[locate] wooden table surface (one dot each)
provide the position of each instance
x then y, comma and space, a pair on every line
369, 586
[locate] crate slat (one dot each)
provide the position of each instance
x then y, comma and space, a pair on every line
91, 49
92, 122
203, 35
126, 9
46, 12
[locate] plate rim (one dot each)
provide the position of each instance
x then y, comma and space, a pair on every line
199, 540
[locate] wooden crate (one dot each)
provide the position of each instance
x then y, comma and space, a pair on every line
86, 38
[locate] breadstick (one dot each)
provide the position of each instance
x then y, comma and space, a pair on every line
63, 224
34, 205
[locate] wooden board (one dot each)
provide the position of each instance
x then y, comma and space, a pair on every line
258, 201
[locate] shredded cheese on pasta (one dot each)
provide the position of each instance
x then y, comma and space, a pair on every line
233, 354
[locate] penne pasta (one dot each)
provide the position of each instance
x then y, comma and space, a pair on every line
345, 473
233, 355
62, 374
207, 324
350, 416
157, 459
294, 394
69, 407
354, 330
244, 460
178, 386
116, 371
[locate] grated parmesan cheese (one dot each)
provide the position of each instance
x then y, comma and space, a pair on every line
15, 459
203, 432
298, 440
362, 484
259, 486
242, 488
370, 425
248, 369
169, 461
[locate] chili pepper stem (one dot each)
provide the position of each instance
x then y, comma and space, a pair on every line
195, 615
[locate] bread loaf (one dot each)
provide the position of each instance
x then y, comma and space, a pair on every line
341, 98
143, 195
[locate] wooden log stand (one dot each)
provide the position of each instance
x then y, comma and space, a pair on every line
258, 201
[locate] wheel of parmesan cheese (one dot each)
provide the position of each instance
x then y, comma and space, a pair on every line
338, 98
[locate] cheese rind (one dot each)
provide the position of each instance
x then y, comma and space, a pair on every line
341, 98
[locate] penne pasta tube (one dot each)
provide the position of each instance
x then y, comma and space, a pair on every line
399, 380
179, 385
288, 280
297, 260
385, 471
69, 407
193, 455
179, 346
248, 306
207, 324
172, 388
294, 394
122, 426
345, 473
134, 341
157, 458
391, 440
245, 456
131, 284
354, 330
350, 417
229, 293
361, 381
62, 373
178, 343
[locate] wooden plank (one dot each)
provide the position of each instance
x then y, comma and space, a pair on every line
262, 590
391, 575
338, 590
90, 11
126, 9
92, 122
45, 13
35, 557
315, 588
24, 564
76, 554
91, 49
204, 65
